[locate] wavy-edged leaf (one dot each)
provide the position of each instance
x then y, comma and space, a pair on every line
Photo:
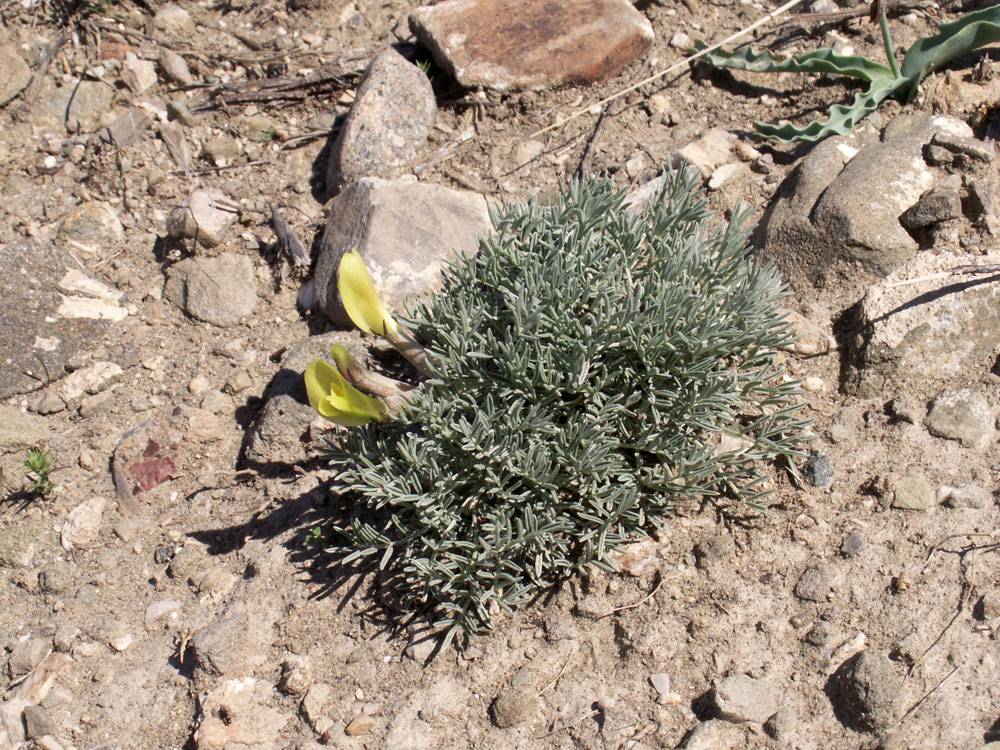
818, 61
841, 120
971, 31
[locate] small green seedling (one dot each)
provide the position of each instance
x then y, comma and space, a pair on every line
38, 469
955, 39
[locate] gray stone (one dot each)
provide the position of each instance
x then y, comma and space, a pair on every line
127, 129
853, 544
991, 604
203, 217
867, 692
961, 414
175, 67
388, 124
234, 644
525, 44
514, 705
223, 150
79, 105
138, 75
65, 636
18, 428
296, 675
40, 328
970, 496
714, 551
220, 290
966, 145
57, 577
814, 584
835, 221
172, 18
83, 524
27, 654
924, 335
37, 722
16, 73
279, 435
941, 203
403, 230
913, 492
17, 545
172, 135
818, 471
783, 727
741, 698
187, 561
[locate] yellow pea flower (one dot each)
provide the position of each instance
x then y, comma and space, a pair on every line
337, 400
361, 301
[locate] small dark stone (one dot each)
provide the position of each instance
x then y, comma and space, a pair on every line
813, 585
164, 554
819, 635
817, 470
852, 545
37, 722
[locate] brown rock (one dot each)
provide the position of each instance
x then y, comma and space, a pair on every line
529, 44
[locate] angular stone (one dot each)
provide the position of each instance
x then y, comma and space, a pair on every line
390, 119
138, 74
708, 152
26, 655
913, 492
813, 584
127, 129
16, 73
961, 414
204, 216
917, 337
77, 105
38, 332
940, 203
175, 67
234, 644
37, 722
741, 698
528, 44
835, 221
403, 230
220, 290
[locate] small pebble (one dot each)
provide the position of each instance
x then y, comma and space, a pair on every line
818, 471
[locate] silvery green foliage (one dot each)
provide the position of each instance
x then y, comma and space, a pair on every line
587, 362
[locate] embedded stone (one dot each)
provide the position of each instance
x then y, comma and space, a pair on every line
961, 414
527, 44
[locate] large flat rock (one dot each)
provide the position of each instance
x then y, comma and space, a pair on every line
532, 44
50, 312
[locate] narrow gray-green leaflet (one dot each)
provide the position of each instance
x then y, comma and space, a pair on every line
972, 31
588, 362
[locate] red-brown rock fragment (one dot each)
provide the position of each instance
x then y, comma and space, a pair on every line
532, 44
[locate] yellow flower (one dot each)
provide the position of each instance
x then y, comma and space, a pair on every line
360, 299
336, 399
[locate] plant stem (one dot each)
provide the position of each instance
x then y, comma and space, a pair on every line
890, 52
409, 347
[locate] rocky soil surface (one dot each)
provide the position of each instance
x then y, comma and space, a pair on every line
179, 182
